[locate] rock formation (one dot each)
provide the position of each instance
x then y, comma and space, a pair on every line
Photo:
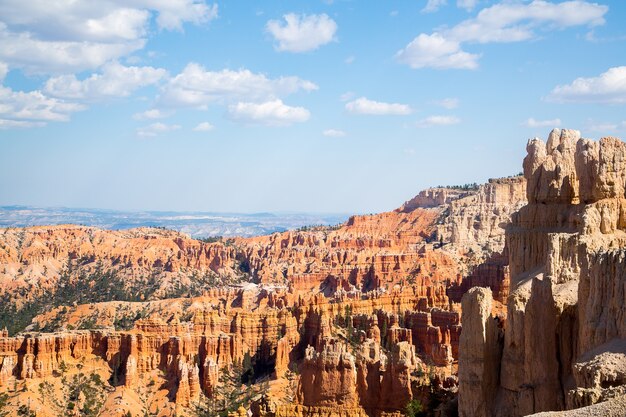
565, 331
363, 316
480, 350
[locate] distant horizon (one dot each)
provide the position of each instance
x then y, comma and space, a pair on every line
197, 224
261, 212
241, 213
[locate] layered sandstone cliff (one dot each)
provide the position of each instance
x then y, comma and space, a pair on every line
565, 335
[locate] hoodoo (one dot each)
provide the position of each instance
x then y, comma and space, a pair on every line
563, 345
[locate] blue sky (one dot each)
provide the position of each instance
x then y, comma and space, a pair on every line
329, 106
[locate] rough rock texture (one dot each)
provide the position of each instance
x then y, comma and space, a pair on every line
566, 311
328, 377
367, 380
611, 408
363, 316
480, 349
476, 221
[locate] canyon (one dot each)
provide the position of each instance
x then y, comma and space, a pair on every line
505, 298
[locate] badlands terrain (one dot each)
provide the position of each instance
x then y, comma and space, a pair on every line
378, 316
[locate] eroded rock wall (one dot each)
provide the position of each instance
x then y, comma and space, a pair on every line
567, 301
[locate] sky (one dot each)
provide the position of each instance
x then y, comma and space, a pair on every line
291, 106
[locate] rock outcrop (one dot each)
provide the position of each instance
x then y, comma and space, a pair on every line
480, 349
566, 312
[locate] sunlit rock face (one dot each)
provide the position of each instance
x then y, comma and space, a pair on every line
565, 333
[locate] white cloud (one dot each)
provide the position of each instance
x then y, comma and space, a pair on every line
350, 59
270, 113
435, 51
155, 129
348, 95
197, 87
75, 21
466, 4
172, 14
531, 122
409, 151
438, 121
302, 33
448, 103
604, 127
365, 106
204, 127
34, 106
115, 81
514, 22
607, 88
4, 70
503, 22
22, 50
151, 114
334, 133
433, 6
104, 19
13, 124
65, 36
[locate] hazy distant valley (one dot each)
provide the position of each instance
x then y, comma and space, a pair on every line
195, 224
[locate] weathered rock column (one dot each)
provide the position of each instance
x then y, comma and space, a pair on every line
480, 349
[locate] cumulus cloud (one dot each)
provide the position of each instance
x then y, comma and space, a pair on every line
302, 33
438, 121
34, 106
514, 22
52, 57
607, 88
365, 106
270, 113
172, 14
433, 6
151, 114
531, 122
197, 87
436, 51
334, 133
466, 4
116, 80
447, 103
503, 22
69, 36
155, 129
204, 127
66, 94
